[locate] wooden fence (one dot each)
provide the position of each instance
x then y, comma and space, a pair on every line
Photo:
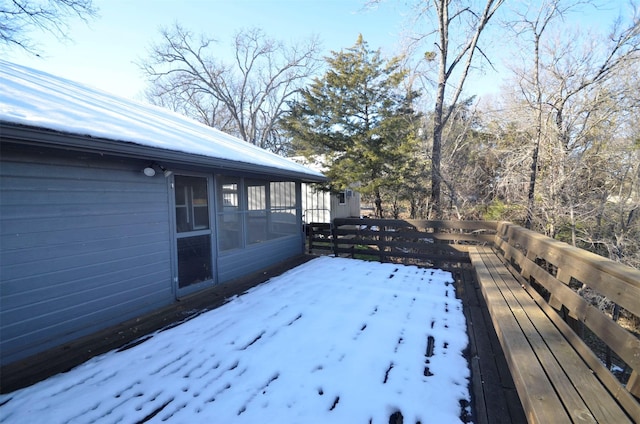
430, 243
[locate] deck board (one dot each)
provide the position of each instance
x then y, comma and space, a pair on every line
553, 368
494, 396
494, 393
335, 340
540, 403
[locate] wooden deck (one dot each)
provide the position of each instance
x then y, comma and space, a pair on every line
494, 399
336, 340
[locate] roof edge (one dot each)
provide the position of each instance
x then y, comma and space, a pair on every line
50, 138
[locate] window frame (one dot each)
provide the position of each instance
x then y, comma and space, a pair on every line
256, 203
237, 215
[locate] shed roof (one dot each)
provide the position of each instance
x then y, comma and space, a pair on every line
38, 100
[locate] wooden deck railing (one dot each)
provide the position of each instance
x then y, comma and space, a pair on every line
436, 243
573, 282
565, 281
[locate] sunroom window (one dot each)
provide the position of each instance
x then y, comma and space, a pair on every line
253, 211
230, 214
283, 220
256, 211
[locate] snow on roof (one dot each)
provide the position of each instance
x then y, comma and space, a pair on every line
317, 163
37, 99
334, 340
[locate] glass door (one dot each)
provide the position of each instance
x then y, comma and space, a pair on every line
193, 230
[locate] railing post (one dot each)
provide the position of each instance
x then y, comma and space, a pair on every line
334, 238
381, 240
633, 385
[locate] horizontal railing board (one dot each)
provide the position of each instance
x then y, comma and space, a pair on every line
395, 254
568, 253
393, 243
417, 235
624, 397
445, 225
422, 240
618, 282
625, 344
556, 251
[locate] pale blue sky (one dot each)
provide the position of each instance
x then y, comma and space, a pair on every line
103, 52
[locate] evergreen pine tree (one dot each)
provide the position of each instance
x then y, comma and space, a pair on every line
358, 121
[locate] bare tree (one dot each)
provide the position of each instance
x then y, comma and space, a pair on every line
246, 97
18, 18
568, 85
459, 25
193, 103
576, 92
535, 27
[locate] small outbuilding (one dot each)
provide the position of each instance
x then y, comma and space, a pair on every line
320, 205
110, 209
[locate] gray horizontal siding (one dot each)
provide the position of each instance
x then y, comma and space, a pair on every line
84, 244
240, 262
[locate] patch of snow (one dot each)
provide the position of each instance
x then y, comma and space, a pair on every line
332, 341
34, 98
616, 369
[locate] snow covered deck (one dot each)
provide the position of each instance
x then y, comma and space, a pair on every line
333, 340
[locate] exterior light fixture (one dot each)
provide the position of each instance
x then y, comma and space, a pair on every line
165, 171
150, 170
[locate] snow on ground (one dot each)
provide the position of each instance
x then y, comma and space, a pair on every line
333, 340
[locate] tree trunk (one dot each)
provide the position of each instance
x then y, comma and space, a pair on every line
436, 156
438, 114
378, 203
532, 186
536, 151
448, 60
